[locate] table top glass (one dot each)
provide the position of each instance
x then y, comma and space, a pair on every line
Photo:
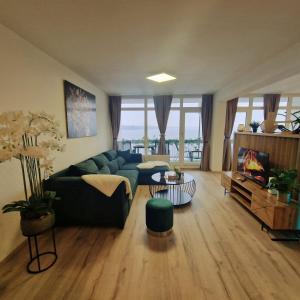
162, 178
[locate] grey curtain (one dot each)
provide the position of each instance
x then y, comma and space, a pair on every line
271, 104
229, 121
115, 117
207, 110
162, 106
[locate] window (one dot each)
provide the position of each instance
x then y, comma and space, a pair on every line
192, 102
251, 109
133, 103
139, 130
288, 105
240, 118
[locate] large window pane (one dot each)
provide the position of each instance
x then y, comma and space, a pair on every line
258, 102
258, 116
281, 115
132, 131
296, 101
240, 118
193, 134
172, 135
283, 102
243, 102
153, 132
132, 103
192, 102
175, 103
150, 103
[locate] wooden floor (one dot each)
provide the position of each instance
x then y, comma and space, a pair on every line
217, 251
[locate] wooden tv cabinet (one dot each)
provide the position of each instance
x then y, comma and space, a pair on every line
276, 215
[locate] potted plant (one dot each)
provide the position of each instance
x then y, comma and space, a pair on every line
177, 171
31, 139
283, 181
254, 125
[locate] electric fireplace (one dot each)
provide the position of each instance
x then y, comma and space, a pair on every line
253, 165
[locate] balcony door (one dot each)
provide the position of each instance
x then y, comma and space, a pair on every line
191, 138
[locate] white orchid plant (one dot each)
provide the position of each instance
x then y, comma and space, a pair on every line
32, 139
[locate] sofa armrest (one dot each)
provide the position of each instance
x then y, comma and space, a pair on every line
83, 204
135, 158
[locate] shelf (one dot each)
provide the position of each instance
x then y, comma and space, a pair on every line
240, 199
276, 135
243, 192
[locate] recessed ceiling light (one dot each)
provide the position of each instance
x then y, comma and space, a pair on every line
162, 77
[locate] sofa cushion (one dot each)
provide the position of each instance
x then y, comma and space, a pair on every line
104, 170
145, 174
111, 154
129, 166
132, 176
83, 168
121, 161
100, 160
113, 166
125, 154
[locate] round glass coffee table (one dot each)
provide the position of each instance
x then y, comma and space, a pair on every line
179, 191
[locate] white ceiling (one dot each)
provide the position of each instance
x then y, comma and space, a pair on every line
287, 85
117, 43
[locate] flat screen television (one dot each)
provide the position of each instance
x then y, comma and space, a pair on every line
254, 165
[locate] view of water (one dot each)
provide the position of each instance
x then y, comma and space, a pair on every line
137, 132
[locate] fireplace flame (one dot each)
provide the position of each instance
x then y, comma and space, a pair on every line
251, 163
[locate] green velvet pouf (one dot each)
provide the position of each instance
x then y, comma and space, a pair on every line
159, 215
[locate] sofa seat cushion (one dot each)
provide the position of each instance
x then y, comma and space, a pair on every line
104, 170
100, 160
121, 161
83, 168
132, 175
129, 166
145, 175
113, 166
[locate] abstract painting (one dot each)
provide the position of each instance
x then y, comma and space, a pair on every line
80, 111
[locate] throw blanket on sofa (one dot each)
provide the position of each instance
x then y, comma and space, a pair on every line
152, 164
107, 184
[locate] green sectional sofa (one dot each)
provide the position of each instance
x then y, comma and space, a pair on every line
82, 204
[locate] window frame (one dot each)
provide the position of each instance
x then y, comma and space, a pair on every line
182, 110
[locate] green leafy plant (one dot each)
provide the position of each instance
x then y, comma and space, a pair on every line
282, 180
254, 125
33, 207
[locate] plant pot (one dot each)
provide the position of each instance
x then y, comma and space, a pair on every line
284, 197
254, 130
35, 226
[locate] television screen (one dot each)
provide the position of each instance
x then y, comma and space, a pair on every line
253, 164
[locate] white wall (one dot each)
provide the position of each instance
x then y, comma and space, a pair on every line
217, 137
30, 80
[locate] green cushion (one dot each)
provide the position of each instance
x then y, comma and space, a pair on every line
129, 166
113, 166
125, 154
159, 214
104, 170
121, 161
111, 154
83, 168
100, 160
159, 203
132, 176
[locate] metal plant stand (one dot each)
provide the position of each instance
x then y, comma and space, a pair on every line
180, 192
37, 255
